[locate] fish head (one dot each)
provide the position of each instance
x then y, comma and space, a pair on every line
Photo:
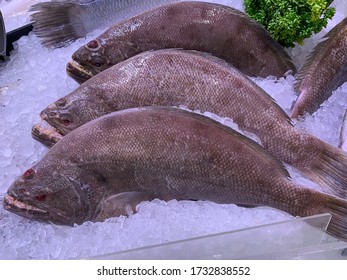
47, 196
58, 116
91, 59
76, 109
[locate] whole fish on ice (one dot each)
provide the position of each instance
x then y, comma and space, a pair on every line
59, 23
108, 165
323, 72
213, 28
200, 82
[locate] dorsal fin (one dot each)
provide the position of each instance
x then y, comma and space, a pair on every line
266, 36
318, 51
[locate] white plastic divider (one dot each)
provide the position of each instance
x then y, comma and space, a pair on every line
300, 238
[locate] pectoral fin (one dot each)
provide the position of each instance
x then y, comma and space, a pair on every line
121, 204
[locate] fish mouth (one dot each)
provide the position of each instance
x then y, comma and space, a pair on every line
22, 209
77, 72
48, 136
51, 123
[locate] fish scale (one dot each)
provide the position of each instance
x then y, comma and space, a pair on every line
110, 164
178, 77
323, 72
201, 26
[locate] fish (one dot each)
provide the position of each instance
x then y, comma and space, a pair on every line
109, 165
323, 72
199, 81
223, 31
58, 23
343, 133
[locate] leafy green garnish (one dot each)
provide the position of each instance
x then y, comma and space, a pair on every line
290, 21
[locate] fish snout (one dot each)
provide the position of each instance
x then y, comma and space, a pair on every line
77, 72
46, 136
7, 202
18, 191
54, 116
23, 209
60, 119
50, 112
36, 130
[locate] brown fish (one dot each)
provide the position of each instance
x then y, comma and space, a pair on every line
110, 164
201, 82
213, 28
323, 72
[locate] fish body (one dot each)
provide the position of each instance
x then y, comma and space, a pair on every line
201, 82
213, 28
124, 157
323, 72
58, 23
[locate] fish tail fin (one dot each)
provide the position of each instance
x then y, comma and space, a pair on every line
57, 24
329, 170
337, 207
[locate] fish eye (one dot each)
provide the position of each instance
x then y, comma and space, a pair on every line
93, 45
97, 64
29, 174
65, 121
41, 197
61, 102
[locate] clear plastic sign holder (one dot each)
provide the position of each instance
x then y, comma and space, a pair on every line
299, 238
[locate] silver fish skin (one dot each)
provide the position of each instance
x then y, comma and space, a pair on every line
201, 82
213, 28
323, 72
60, 22
110, 164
